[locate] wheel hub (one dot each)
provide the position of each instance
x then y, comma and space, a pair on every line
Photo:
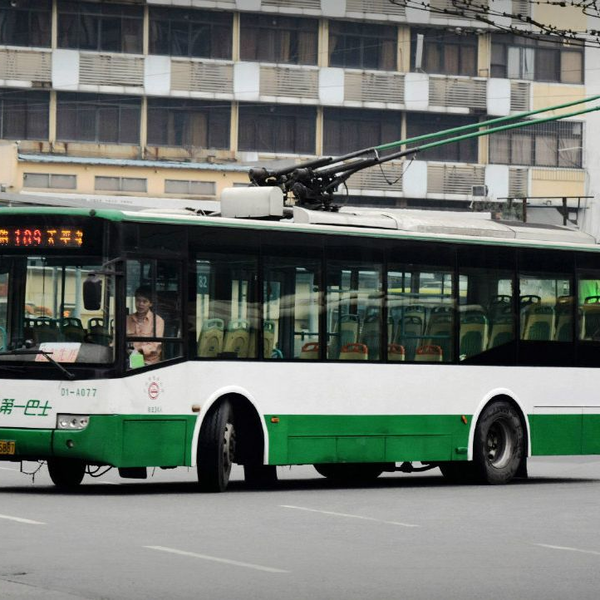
499, 444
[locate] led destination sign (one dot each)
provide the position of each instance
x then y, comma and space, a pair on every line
16, 236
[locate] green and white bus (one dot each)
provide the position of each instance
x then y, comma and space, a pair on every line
357, 342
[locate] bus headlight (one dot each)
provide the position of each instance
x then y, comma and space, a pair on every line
72, 422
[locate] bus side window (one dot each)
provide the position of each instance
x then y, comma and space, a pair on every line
486, 316
546, 307
421, 313
589, 307
291, 308
154, 311
354, 312
226, 307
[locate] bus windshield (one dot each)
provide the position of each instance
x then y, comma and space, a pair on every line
42, 308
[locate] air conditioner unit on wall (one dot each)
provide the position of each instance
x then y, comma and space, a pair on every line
479, 191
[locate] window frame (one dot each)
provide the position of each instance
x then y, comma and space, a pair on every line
443, 40
356, 40
98, 103
272, 30
103, 18
37, 14
196, 21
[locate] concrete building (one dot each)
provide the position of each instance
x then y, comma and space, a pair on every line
176, 98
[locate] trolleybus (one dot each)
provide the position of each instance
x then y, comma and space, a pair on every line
355, 341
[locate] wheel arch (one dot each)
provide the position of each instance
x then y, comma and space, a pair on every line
253, 428
496, 396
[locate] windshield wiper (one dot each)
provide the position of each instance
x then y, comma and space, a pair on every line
46, 355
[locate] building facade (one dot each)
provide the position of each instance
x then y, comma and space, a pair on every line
178, 98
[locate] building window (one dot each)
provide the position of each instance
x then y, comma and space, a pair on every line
25, 23
349, 129
543, 145
277, 128
362, 46
24, 115
120, 184
104, 119
195, 33
279, 39
188, 123
190, 188
516, 57
50, 181
421, 124
445, 52
104, 27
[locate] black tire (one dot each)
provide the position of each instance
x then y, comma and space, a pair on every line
260, 476
499, 444
216, 449
66, 473
350, 472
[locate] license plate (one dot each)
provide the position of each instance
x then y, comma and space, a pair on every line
7, 447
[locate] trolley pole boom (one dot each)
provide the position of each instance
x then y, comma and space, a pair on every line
314, 182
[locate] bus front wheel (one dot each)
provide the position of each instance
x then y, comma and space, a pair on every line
66, 473
498, 443
216, 449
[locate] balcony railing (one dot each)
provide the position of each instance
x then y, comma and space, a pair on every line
459, 92
373, 86
210, 77
111, 69
289, 82
454, 179
25, 64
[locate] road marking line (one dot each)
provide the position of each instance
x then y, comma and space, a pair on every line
337, 514
9, 469
20, 520
225, 561
568, 549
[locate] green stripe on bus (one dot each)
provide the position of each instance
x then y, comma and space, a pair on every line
116, 440
306, 439
552, 435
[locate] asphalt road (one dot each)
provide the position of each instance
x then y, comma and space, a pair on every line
405, 536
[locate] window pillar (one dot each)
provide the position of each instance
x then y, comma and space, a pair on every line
235, 37
54, 25
146, 31
323, 44
403, 60
484, 55
52, 119
319, 131
234, 127
143, 126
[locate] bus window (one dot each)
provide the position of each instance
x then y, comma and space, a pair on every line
48, 312
354, 312
226, 307
421, 313
486, 315
589, 307
545, 307
291, 309
153, 311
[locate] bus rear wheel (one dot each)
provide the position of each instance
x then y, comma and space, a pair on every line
216, 449
66, 473
348, 472
498, 443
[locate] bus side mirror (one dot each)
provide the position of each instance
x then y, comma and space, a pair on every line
92, 292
